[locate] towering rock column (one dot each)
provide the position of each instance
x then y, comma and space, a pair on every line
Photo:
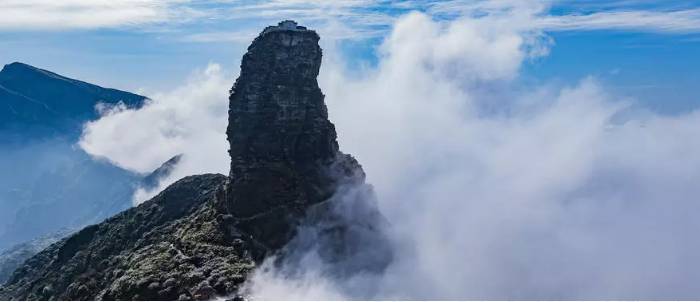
284, 153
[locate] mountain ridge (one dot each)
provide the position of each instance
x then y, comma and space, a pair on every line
202, 236
45, 104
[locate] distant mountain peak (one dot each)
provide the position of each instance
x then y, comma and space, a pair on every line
151, 181
17, 66
20, 67
34, 98
22, 70
14, 66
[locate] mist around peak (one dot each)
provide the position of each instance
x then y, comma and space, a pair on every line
491, 190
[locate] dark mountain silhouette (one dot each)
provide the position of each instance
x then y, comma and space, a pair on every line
46, 104
153, 179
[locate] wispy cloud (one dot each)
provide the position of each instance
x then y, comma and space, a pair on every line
681, 21
351, 19
611, 15
355, 19
240, 36
89, 14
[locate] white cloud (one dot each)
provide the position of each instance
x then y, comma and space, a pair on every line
189, 120
550, 197
366, 18
84, 14
609, 15
222, 36
498, 193
681, 21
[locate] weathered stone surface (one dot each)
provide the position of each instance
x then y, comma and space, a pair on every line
284, 153
168, 248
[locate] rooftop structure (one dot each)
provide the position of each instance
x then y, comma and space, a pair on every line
285, 25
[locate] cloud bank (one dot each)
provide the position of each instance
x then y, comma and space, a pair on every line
189, 120
556, 193
492, 191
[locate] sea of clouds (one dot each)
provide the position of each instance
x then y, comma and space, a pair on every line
491, 190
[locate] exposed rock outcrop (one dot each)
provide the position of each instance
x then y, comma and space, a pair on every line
199, 238
284, 153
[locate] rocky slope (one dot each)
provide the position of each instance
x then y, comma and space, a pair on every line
171, 247
113, 199
200, 237
15, 256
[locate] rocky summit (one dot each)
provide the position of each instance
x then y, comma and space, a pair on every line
201, 237
284, 153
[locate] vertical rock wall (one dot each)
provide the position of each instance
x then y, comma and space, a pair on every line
284, 153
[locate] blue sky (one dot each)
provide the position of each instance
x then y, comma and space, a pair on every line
642, 49
563, 193
659, 70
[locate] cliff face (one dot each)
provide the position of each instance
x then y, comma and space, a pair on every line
199, 238
284, 153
